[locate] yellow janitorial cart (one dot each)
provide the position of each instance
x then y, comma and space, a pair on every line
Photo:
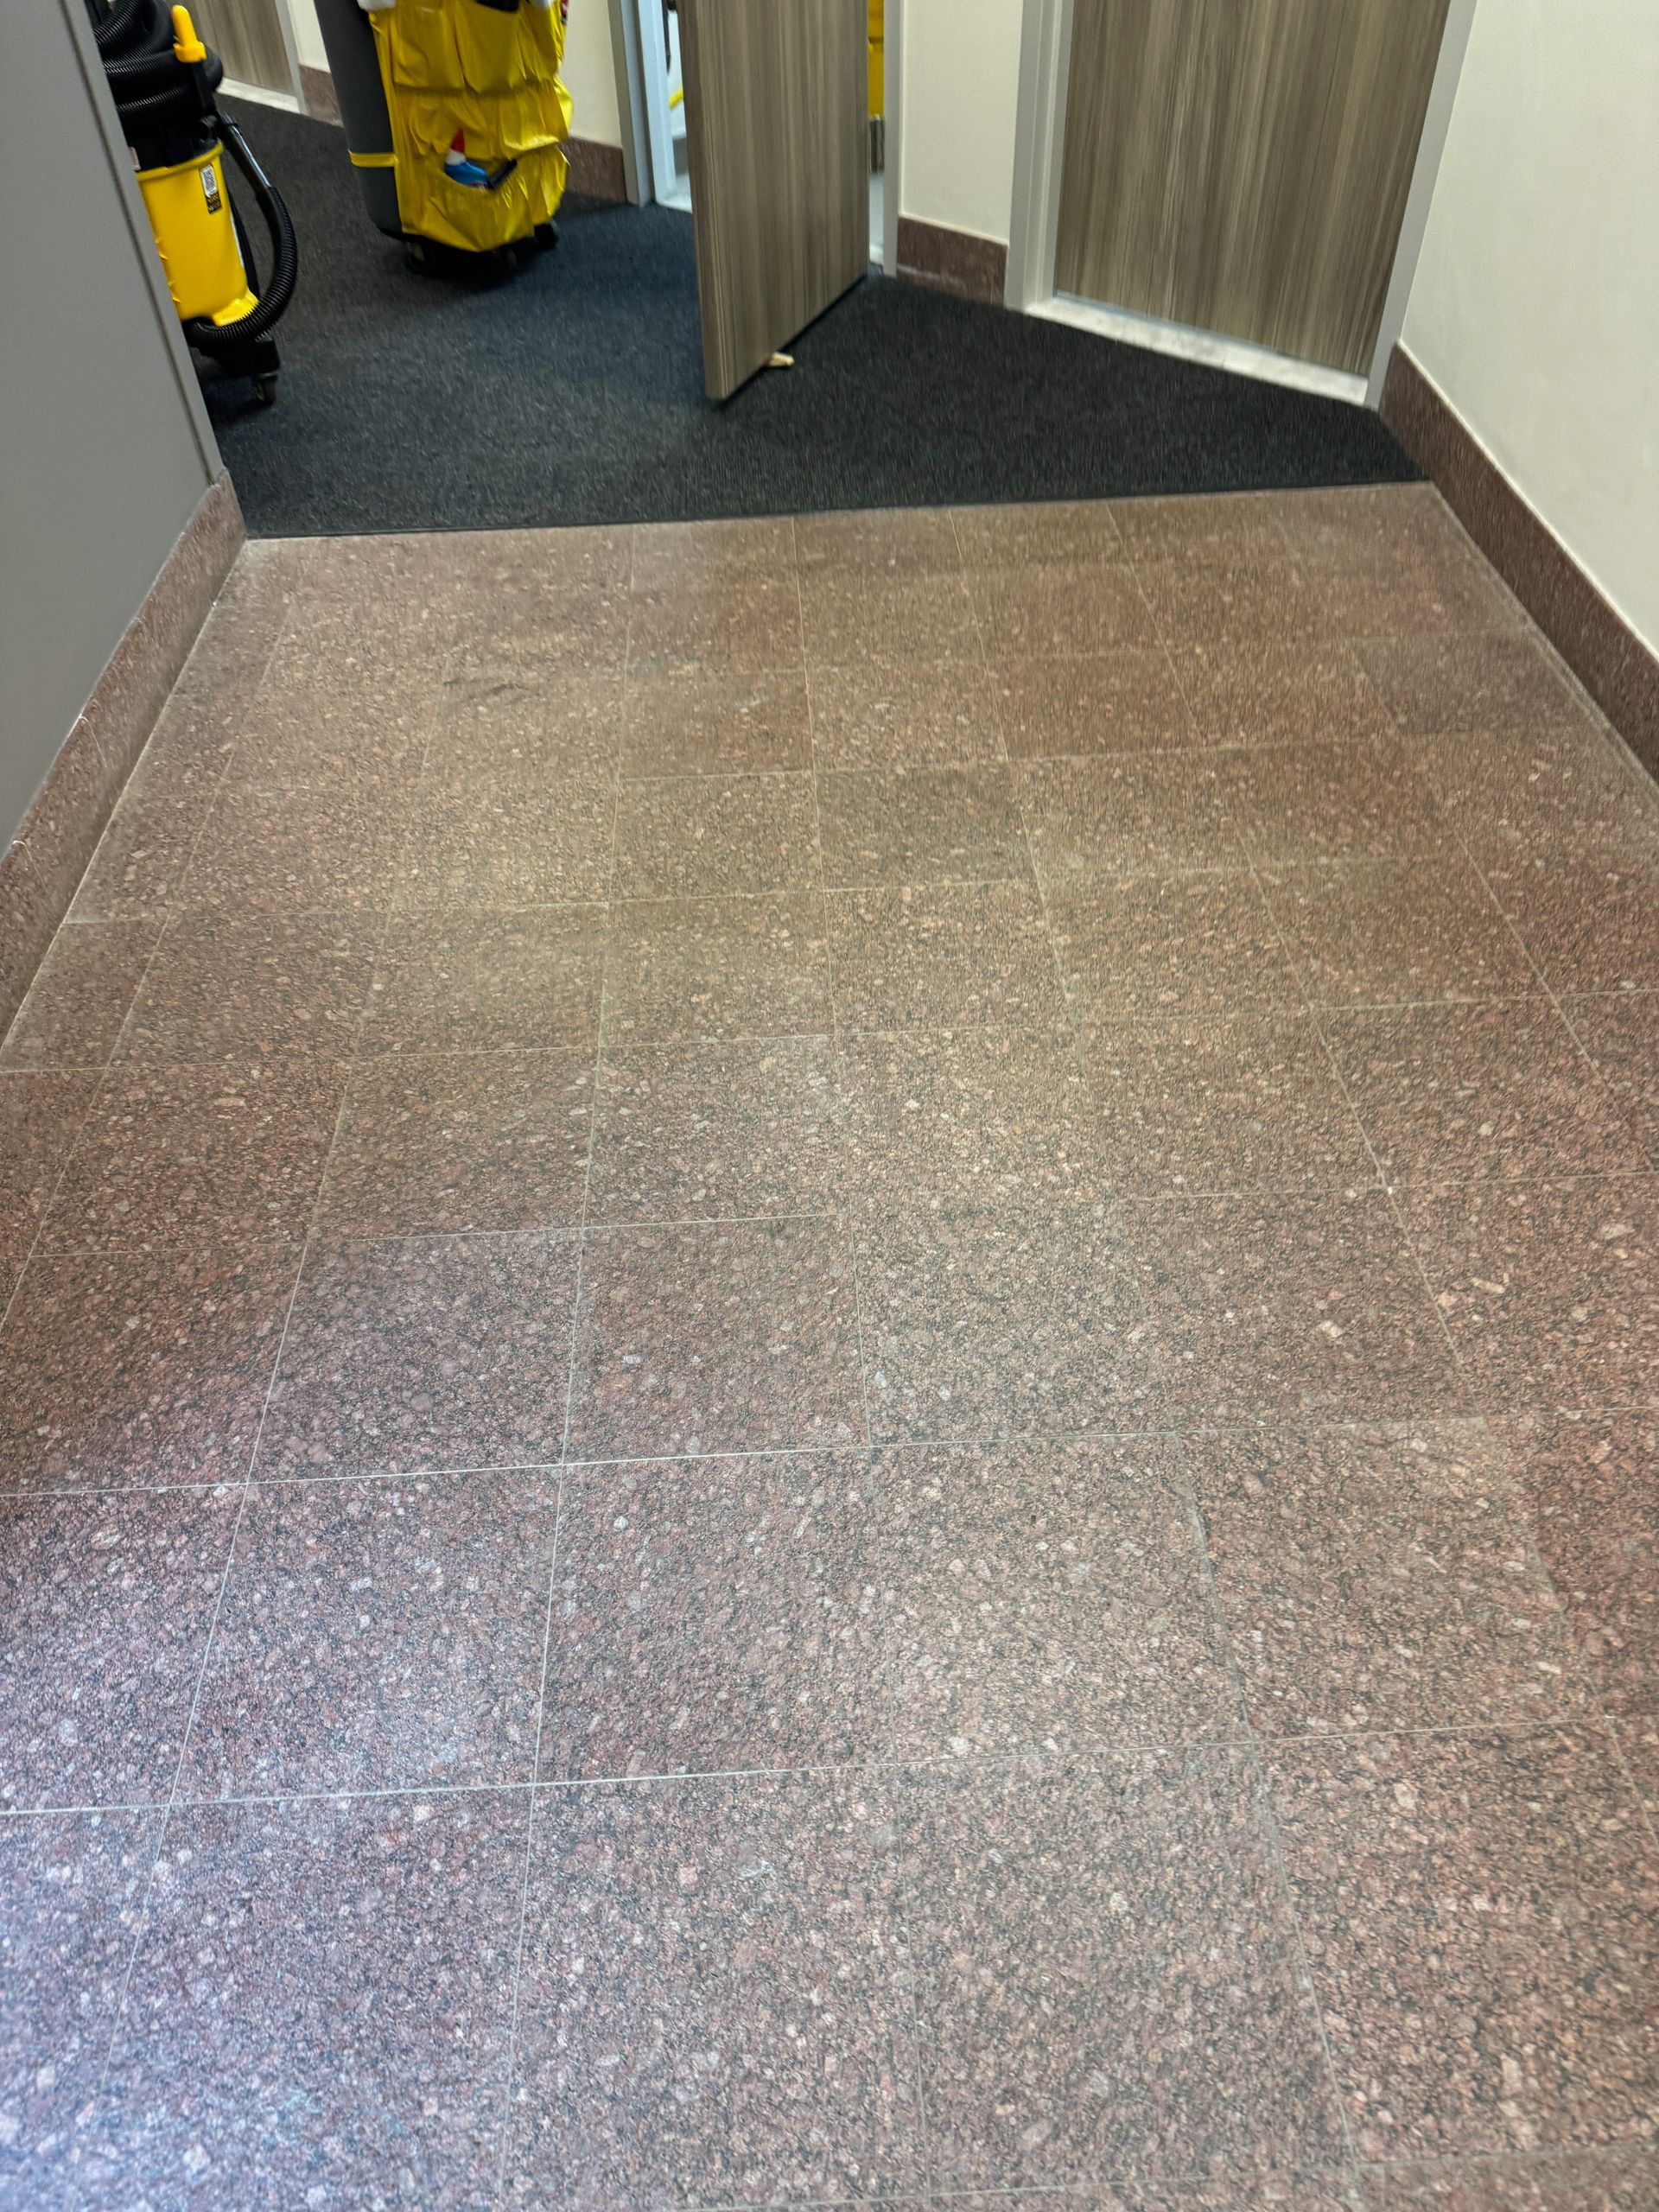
455, 119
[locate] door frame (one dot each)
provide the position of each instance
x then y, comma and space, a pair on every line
631, 104
1034, 218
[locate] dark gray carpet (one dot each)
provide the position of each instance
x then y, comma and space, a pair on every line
573, 392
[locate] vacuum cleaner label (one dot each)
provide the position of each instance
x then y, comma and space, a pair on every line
210, 188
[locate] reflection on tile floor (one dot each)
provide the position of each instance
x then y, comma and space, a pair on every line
829, 1373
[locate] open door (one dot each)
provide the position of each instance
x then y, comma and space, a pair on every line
777, 137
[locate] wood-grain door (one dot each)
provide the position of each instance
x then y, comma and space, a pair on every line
247, 36
1243, 165
777, 137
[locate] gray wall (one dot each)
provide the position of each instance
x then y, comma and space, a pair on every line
103, 450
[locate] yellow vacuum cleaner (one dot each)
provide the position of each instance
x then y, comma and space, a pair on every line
455, 119
164, 79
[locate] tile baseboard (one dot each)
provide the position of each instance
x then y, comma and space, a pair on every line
952, 261
596, 170
1615, 666
49, 854
317, 95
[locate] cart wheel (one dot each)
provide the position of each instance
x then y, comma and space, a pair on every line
415, 256
547, 236
506, 258
264, 388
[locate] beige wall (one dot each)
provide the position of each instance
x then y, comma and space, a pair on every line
1536, 303
961, 79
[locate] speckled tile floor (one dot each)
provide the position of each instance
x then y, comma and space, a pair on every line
830, 1372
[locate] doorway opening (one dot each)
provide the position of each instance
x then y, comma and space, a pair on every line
663, 94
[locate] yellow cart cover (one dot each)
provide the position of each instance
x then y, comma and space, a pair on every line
457, 66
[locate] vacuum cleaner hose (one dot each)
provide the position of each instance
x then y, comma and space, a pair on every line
212, 337
110, 31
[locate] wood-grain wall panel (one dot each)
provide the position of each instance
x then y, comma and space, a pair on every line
1243, 165
248, 39
778, 139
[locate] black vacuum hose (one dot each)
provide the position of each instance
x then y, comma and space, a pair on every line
211, 337
110, 31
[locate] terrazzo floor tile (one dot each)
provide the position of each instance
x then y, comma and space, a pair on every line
1296, 804
1226, 528
1171, 944
903, 713
1106, 1976
1478, 1912
717, 1193
72, 1890
356, 718
1550, 1290
141, 857
715, 2004
460, 981
526, 837
709, 837
1620, 1032
1551, 796
735, 967
1233, 600
1496, 685
195, 1152
747, 623
719, 1337
1042, 1599
1250, 1103
1590, 1485
40, 1114
1133, 814
501, 710
846, 615
322, 2000
230, 987
709, 1131
1638, 1738
1268, 1304
105, 1609
1129, 701
943, 956
380, 1634
1000, 1323
484, 1140
1622, 2178
134, 1369
577, 622
294, 848
992, 1119
424, 1352
1396, 932
921, 825
880, 543
695, 721
1589, 924
1059, 608
79, 997
714, 1617
1269, 693
1050, 530
1382, 1577
701, 552
1457, 1094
